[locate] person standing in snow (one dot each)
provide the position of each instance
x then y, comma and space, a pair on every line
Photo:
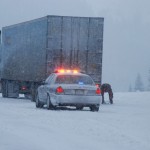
106, 88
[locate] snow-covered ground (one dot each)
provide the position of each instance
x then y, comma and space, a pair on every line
125, 125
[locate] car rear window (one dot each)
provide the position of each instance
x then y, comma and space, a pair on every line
74, 79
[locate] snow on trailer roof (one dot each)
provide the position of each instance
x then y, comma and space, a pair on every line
47, 17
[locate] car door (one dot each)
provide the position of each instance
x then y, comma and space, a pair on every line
41, 90
46, 87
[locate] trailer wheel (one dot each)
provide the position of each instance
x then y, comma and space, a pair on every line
33, 91
27, 96
4, 89
79, 107
33, 95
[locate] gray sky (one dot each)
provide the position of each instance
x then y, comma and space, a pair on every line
126, 31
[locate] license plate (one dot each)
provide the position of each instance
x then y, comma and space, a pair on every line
79, 92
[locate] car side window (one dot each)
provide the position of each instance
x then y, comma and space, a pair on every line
46, 81
73, 79
49, 79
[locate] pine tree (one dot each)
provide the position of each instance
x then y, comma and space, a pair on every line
139, 83
130, 88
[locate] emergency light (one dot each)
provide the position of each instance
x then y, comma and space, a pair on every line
66, 71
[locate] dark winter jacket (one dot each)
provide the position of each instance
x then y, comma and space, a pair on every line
106, 88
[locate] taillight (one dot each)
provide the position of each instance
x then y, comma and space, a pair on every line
98, 91
97, 85
59, 90
23, 87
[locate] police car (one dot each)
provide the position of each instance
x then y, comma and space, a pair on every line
69, 88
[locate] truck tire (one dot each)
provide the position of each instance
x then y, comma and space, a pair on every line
4, 88
33, 95
79, 107
34, 87
27, 96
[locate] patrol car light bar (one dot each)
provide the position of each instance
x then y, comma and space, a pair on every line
66, 71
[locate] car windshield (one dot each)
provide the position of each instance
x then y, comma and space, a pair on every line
74, 79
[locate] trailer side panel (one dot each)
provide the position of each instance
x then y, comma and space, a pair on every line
24, 51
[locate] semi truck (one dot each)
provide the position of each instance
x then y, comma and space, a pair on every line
32, 50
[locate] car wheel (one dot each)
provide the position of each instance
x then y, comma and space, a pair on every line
79, 107
49, 104
38, 103
94, 108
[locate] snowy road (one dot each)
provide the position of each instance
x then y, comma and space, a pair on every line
125, 125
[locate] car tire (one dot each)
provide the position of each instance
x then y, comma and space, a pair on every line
94, 108
79, 107
38, 103
49, 104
